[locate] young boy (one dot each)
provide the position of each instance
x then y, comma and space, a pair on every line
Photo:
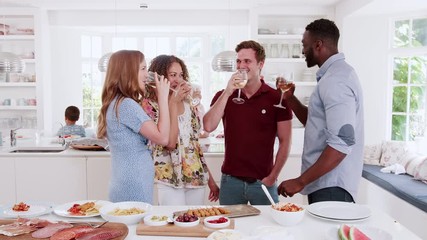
72, 114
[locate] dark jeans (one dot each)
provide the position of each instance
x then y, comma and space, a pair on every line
330, 194
236, 191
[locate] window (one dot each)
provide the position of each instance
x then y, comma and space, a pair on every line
195, 49
91, 79
409, 83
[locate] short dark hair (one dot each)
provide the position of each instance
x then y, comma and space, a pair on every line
324, 29
258, 48
72, 113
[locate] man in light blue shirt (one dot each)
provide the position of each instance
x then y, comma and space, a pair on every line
334, 131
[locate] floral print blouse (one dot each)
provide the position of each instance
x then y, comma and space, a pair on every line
185, 166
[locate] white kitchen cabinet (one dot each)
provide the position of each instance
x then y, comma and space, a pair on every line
214, 162
98, 177
50, 179
19, 91
7, 180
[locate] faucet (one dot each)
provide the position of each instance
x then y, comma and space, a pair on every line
61, 136
13, 137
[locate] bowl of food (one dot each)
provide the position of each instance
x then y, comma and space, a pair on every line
287, 214
186, 220
125, 212
155, 220
216, 222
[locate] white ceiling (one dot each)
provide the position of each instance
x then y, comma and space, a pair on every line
161, 4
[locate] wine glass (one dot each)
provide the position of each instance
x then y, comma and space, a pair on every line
195, 94
242, 77
150, 82
284, 83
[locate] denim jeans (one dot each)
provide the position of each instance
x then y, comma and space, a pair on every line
236, 191
330, 194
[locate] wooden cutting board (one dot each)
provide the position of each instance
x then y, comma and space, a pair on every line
173, 230
119, 226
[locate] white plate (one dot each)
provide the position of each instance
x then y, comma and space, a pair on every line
333, 210
36, 209
371, 232
62, 210
226, 234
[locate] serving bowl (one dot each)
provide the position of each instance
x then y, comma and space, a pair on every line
287, 214
186, 220
216, 222
125, 212
155, 220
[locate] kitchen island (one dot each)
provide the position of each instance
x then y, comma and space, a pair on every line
310, 228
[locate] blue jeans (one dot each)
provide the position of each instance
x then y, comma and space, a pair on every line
235, 191
330, 194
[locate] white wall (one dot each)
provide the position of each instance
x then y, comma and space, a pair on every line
65, 74
365, 47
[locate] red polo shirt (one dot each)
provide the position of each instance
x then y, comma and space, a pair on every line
250, 130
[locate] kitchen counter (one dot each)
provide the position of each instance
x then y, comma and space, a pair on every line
310, 228
78, 174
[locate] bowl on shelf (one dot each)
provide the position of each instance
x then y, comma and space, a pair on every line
125, 212
287, 214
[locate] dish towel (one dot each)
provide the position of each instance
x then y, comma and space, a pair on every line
395, 168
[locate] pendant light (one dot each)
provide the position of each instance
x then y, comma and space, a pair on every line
103, 61
225, 61
10, 62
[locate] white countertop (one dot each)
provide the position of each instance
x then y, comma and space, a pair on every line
310, 228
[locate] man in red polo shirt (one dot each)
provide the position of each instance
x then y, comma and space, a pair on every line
250, 130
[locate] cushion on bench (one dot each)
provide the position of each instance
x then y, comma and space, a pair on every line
403, 186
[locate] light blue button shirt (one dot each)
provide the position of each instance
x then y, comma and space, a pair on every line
335, 118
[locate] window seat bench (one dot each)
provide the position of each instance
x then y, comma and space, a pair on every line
403, 186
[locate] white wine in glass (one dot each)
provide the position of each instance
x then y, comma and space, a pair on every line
242, 81
284, 85
150, 82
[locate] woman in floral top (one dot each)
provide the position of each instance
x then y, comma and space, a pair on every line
181, 173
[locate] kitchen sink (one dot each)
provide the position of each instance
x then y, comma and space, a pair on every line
52, 149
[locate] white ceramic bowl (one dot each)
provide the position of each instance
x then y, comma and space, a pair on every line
216, 225
186, 224
226, 234
287, 218
106, 212
154, 220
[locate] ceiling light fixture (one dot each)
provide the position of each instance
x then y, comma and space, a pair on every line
103, 61
10, 62
225, 61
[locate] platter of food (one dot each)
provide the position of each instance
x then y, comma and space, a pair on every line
87, 147
80, 209
357, 232
231, 211
181, 227
25, 209
28, 229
